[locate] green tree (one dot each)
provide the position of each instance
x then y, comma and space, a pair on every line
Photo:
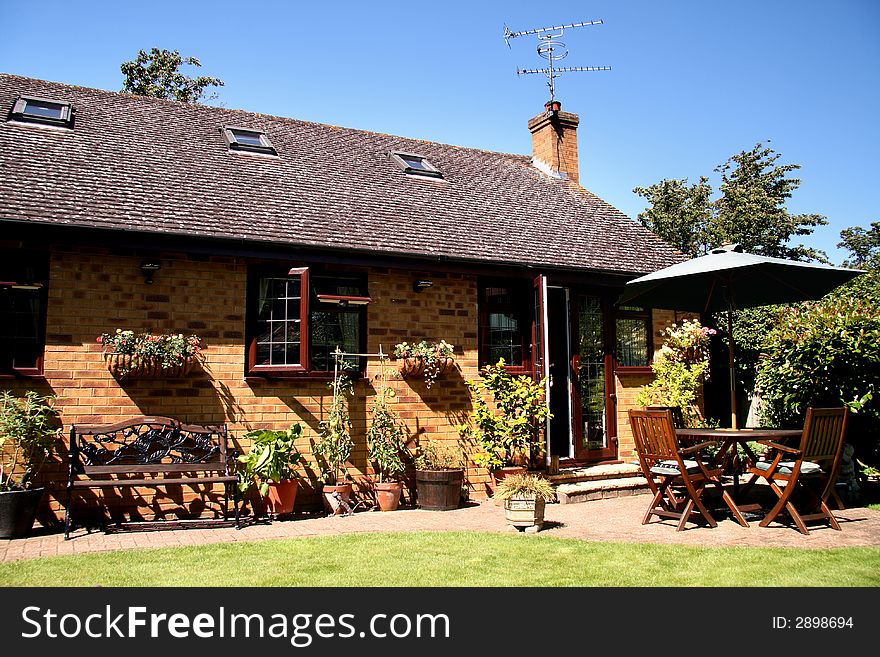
158, 74
864, 245
751, 210
679, 214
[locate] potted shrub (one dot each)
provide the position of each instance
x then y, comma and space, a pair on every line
334, 447
149, 355
439, 476
524, 496
508, 430
386, 440
269, 462
29, 427
428, 359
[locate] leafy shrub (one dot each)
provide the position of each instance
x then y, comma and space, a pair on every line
29, 427
825, 354
386, 437
511, 426
335, 444
270, 458
680, 367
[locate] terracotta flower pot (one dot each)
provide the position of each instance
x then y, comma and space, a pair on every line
281, 497
332, 496
388, 495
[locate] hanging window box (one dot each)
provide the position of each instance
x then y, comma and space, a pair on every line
424, 359
131, 366
149, 356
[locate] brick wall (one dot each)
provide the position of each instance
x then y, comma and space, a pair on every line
628, 385
92, 291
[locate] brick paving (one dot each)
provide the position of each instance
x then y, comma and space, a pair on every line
617, 519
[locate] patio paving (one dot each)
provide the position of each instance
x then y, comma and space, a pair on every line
616, 519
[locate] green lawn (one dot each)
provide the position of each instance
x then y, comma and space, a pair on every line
451, 559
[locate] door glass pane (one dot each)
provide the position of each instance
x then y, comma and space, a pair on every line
591, 374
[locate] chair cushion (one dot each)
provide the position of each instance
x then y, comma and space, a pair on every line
786, 467
671, 467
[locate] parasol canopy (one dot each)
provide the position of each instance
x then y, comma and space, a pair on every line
728, 279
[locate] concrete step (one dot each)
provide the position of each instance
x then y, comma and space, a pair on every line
600, 489
594, 472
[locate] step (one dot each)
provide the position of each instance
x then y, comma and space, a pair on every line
595, 472
601, 489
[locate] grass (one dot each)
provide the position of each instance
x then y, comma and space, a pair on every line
450, 559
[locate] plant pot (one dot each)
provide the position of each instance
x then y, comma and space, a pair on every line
130, 366
415, 367
332, 496
500, 473
18, 508
388, 495
524, 512
439, 490
281, 497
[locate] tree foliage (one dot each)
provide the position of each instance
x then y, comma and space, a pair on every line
679, 213
751, 209
158, 75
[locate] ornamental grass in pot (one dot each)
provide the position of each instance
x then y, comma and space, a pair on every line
386, 440
270, 463
29, 429
524, 497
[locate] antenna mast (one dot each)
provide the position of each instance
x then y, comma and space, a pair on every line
553, 50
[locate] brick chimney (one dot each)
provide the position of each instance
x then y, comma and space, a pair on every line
554, 141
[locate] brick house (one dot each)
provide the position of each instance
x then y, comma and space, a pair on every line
270, 233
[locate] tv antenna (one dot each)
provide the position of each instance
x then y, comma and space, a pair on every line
553, 50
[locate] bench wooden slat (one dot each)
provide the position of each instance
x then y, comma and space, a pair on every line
210, 466
158, 481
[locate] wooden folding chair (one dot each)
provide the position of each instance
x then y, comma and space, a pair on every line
806, 469
665, 464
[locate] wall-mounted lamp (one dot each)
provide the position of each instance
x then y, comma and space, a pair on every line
422, 284
147, 268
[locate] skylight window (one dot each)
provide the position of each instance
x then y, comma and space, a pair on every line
248, 139
43, 110
417, 165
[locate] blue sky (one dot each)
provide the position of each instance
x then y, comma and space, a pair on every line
693, 82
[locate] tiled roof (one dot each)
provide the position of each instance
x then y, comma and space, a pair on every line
135, 163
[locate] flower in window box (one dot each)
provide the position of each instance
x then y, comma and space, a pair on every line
428, 359
147, 354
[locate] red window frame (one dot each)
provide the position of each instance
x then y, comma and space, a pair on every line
27, 271
310, 302
523, 310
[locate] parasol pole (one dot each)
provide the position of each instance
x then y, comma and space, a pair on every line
732, 370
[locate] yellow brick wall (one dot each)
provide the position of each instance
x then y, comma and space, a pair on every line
92, 291
628, 385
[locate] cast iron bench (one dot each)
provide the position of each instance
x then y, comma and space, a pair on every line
151, 452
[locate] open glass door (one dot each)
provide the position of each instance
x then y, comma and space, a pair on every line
593, 404
540, 357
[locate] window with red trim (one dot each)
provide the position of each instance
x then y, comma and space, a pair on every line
23, 282
297, 319
506, 311
633, 327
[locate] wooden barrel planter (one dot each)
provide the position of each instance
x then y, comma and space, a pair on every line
439, 490
130, 366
